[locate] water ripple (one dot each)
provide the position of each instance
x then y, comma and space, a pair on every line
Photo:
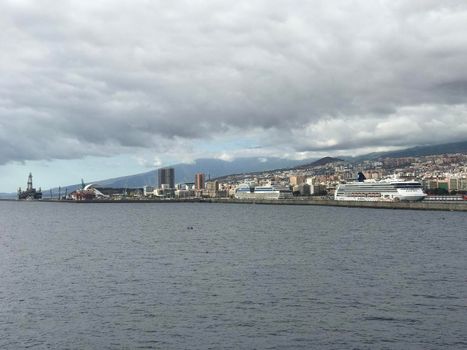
246, 277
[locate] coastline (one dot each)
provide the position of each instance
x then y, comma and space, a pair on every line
422, 205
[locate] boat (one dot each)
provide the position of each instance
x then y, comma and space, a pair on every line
245, 191
390, 189
272, 192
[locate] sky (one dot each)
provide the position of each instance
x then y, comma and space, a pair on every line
99, 89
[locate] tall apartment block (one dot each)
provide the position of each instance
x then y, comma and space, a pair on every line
199, 181
166, 177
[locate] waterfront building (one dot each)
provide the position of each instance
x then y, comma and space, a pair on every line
166, 176
303, 189
199, 181
376, 175
443, 185
148, 190
457, 184
295, 180
212, 189
463, 184
319, 189
185, 186
212, 186
184, 193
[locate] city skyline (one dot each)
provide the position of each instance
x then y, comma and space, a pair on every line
87, 92
254, 165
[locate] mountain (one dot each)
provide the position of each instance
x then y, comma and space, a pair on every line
319, 162
418, 151
213, 168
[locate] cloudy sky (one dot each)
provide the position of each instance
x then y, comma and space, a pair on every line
97, 89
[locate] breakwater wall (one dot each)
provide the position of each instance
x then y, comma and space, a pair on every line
446, 206
422, 205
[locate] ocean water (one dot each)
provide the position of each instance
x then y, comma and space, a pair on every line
136, 276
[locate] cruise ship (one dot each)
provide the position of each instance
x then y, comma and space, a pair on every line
384, 190
245, 191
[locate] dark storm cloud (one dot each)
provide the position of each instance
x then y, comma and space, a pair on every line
82, 78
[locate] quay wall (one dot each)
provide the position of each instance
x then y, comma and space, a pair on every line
446, 206
422, 205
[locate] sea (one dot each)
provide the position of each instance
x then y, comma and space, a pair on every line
230, 276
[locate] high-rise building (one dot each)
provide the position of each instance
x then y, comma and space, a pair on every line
199, 181
297, 180
166, 176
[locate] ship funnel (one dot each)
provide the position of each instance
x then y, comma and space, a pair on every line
361, 177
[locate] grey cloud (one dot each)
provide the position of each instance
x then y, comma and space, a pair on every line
93, 79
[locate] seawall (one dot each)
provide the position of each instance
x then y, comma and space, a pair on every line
422, 205
446, 206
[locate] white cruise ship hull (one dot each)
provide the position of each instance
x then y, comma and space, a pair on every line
267, 195
264, 193
412, 198
382, 191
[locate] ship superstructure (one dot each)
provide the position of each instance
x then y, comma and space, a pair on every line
384, 190
245, 191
